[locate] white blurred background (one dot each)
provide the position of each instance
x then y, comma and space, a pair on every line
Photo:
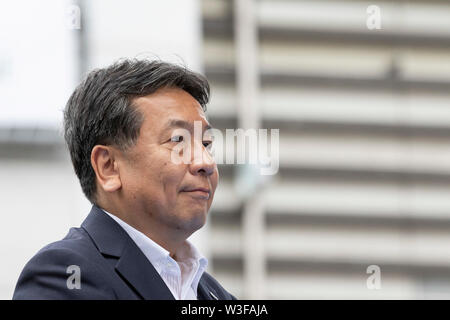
364, 119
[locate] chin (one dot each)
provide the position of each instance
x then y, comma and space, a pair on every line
196, 221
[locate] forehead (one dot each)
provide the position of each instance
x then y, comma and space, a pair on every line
165, 105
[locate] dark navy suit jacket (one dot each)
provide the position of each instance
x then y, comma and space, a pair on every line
110, 263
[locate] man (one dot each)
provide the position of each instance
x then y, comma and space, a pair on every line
123, 125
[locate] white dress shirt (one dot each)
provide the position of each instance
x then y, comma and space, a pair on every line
182, 276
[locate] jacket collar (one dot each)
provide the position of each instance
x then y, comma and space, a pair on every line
112, 240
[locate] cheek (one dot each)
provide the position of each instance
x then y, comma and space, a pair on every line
216, 177
215, 180
171, 177
152, 175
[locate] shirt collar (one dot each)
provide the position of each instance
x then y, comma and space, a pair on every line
158, 256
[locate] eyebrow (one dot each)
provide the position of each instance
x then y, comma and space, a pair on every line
178, 123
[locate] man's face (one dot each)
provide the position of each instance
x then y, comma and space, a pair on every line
156, 185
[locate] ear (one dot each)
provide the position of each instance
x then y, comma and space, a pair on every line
106, 168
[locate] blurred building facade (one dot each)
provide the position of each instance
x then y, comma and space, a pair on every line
364, 123
364, 120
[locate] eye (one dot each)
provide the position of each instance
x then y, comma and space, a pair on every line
176, 139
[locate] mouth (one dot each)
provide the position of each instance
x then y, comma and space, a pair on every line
200, 193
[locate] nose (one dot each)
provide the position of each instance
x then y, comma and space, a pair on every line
203, 162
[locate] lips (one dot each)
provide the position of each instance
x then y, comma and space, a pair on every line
203, 193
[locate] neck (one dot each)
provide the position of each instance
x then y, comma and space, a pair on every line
168, 238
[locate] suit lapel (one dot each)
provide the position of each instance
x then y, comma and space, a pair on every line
204, 292
132, 264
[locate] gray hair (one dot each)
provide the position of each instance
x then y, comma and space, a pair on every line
101, 110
